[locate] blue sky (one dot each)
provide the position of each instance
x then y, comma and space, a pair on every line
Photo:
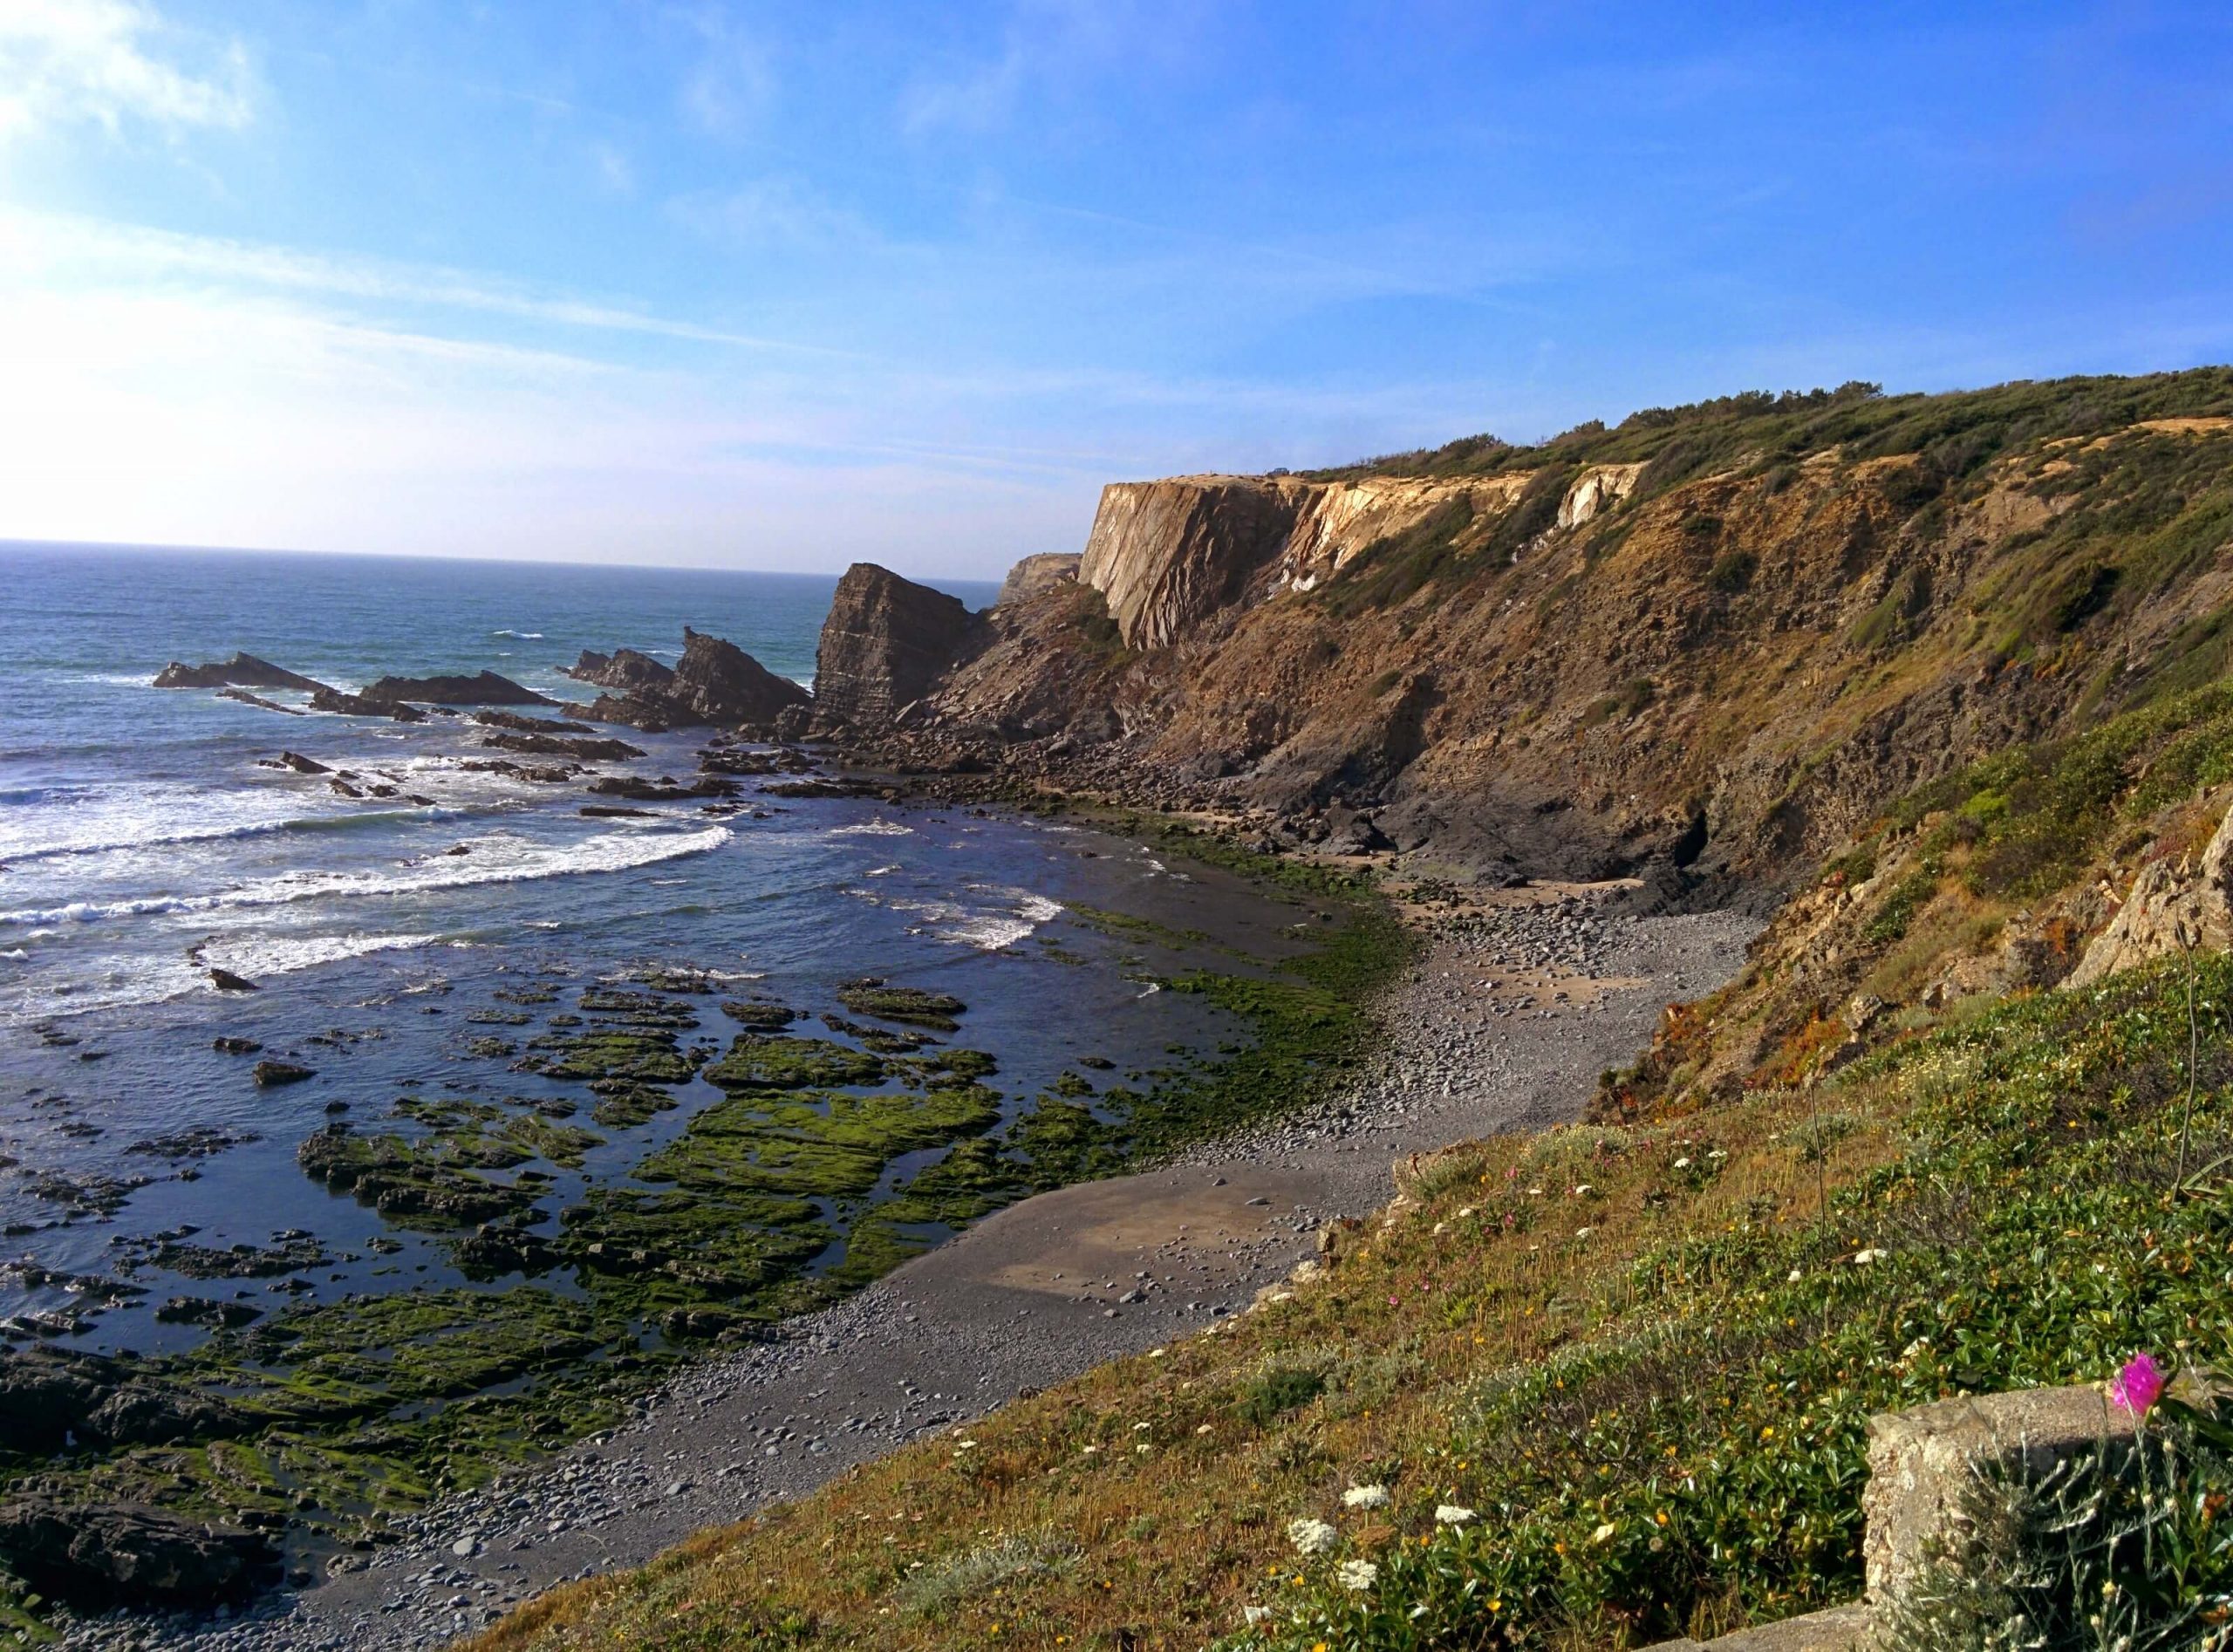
783, 286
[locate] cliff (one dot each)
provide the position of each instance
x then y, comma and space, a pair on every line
1708, 643
885, 642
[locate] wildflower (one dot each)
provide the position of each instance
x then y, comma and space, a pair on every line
1452, 1514
1311, 1537
1718, 1153
1254, 1614
1583, 1190
2139, 1385
1583, 1232
1141, 1428
1603, 1533
964, 1445
1204, 1429
1359, 1575
1683, 1164
1365, 1497
1796, 1276
1862, 1258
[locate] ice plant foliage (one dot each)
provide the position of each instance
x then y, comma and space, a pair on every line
2139, 1385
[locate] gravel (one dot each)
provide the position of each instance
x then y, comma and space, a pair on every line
1502, 1024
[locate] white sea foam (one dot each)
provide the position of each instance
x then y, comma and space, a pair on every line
495, 859
987, 930
873, 829
522, 636
255, 956
881, 871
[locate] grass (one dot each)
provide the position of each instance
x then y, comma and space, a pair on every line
1644, 1357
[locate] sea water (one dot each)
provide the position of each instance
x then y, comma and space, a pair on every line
144, 840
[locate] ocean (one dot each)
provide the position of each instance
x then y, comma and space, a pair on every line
410, 953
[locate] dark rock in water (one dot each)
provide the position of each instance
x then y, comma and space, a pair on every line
490, 1252
713, 682
241, 671
225, 981
718, 682
46, 1395
588, 748
344, 789
303, 765
760, 1016
661, 791
886, 641
716, 762
615, 811
513, 719
260, 703
486, 689
364, 704
625, 671
159, 1414
544, 774
236, 1046
271, 1073
208, 1311
820, 787
124, 1554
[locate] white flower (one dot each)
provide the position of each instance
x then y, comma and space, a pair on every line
1452, 1514
1862, 1258
1603, 1533
1795, 1276
1718, 1153
1464, 1210
1365, 1497
1915, 1348
1252, 1614
1583, 1232
1141, 1428
1358, 1574
1584, 1190
1311, 1537
1683, 1164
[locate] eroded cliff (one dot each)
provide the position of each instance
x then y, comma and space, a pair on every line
1711, 642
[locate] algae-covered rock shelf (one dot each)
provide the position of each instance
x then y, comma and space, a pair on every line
600, 1177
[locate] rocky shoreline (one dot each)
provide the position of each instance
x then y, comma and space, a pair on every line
1513, 1007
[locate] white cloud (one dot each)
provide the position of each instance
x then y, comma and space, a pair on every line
65, 62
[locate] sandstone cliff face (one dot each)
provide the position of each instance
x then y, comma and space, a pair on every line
1168, 555
886, 642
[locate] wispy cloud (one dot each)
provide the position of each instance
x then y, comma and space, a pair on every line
730, 83
34, 241
103, 62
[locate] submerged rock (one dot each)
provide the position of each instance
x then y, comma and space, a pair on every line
269, 1073
340, 704
225, 981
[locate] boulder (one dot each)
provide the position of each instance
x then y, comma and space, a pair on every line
485, 689
886, 642
303, 765
112, 1554
2167, 894
269, 1073
241, 671
225, 981
1035, 574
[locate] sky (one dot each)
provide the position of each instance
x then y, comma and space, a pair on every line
786, 286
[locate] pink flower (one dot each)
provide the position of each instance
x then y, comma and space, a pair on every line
2139, 1385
